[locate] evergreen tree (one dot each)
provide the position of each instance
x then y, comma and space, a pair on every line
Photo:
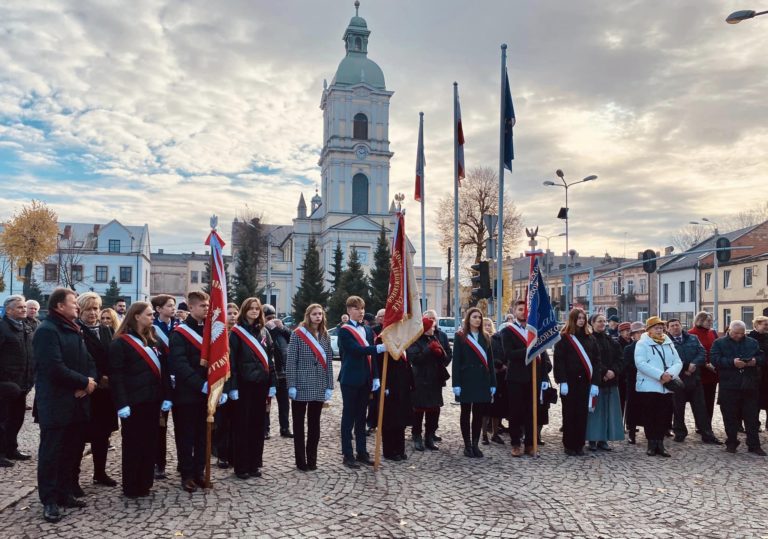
34, 290
249, 260
206, 280
337, 306
338, 269
112, 294
353, 282
311, 289
380, 273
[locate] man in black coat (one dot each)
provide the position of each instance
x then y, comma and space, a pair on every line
17, 366
65, 378
281, 336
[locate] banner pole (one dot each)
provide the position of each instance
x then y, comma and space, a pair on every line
534, 384
209, 429
382, 391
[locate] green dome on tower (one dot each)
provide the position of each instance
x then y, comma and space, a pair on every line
356, 67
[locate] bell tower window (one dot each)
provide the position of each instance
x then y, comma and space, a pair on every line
360, 194
360, 127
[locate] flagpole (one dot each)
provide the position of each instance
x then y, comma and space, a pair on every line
456, 257
423, 241
500, 225
534, 379
380, 421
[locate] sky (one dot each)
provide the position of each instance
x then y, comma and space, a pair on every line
166, 111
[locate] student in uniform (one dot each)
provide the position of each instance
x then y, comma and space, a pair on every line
165, 322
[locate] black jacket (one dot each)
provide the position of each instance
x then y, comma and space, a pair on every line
184, 364
98, 347
515, 350
63, 366
690, 351
244, 365
568, 365
445, 343
725, 350
611, 358
17, 363
280, 338
429, 372
630, 371
132, 380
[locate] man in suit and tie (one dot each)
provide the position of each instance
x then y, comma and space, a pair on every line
358, 377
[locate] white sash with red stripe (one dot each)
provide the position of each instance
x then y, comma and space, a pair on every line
582, 354
191, 335
362, 342
147, 353
162, 337
254, 344
314, 345
479, 350
520, 332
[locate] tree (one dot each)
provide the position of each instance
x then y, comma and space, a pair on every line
206, 280
30, 237
311, 289
478, 196
34, 290
380, 273
250, 257
112, 295
338, 266
689, 235
353, 282
70, 259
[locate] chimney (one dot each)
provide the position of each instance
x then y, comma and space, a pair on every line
640, 255
96, 229
668, 250
159, 251
67, 232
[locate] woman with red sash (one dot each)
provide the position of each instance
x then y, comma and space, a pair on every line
140, 383
309, 376
577, 371
473, 377
252, 382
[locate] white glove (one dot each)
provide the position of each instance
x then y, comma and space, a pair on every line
386, 393
292, 393
457, 391
493, 391
594, 391
234, 394
544, 386
376, 384
124, 412
564, 389
166, 406
205, 388
381, 348
223, 399
272, 391
328, 394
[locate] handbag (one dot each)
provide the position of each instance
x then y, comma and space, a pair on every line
675, 384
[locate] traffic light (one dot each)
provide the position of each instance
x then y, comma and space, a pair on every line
723, 256
481, 281
649, 261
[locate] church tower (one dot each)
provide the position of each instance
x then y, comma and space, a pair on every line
355, 158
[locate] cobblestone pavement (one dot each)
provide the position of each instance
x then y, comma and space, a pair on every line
700, 492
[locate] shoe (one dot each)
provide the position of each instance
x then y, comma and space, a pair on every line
266, 435
711, 439
741, 429
485, 439
371, 431
403, 456
529, 451
631, 437
255, 473
18, 455
476, 450
669, 434
541, 442
580, 453
395, 458
243, 475
222, 463
436, 438
730, 448
365, 459
468, 452
497, 439
51, 512
5, 463
71, 501
351, 463
189, 485
286, 433
78, 492
570, 452
593, 446
418, 443
661, 450
429, 443
104, 480
679, 438
517, 451
200, 482
758, 451
311, 467
603, 446
651, 452
160, 472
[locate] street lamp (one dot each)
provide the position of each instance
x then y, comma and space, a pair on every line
546, 255
704, 222
742, 15
564, 215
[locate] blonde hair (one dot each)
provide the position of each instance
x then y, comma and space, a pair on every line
306, 322
88, 300
488, 320
115, 325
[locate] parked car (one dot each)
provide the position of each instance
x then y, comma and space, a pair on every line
334, 333
447, 326
289, 322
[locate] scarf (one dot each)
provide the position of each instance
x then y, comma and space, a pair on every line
657, 340
64, 322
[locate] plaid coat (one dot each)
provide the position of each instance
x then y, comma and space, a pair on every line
304, 372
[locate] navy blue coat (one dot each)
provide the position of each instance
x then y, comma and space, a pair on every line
184, 365
354, 362
725, 350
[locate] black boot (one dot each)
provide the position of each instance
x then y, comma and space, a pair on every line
429, 442
476, 448
468, 452
418, 442
661, 450
651, 448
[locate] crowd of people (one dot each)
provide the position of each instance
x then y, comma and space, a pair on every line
98, 370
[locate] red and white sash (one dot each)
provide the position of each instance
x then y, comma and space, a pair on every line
314, 345
479, 350
191, 335
362, 342
146, 352
162, 337
521, 333
581, 353
254, 344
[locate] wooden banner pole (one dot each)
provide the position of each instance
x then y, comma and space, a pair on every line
382, 390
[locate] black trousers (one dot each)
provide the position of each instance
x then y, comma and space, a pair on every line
575, 410
737, 405
476, 410
520, 413
428, 419
248, 437
223, 435
139, 433
657, 413
393, 441
709, 398
190, 421
693, 393
11, 419
372, 416
59, 452
305, 451
162, 437
354, 405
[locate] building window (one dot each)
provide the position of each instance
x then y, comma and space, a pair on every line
360, 194
708, 281
748, 278
682, 291
126, 274
726, 278
665, 293
114, 246
748, 316
726, 317
77, 273
615, 288
360, 127
102, 274
51, 273
692, 291
600, 289
630, 287
194, 277
643, 286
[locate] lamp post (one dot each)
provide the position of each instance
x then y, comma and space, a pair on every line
565, 185
713, 224
742, 15
546, 266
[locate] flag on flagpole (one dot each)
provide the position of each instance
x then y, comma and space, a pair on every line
215, 350
542, 322
402, 316
509, 123
420, 162
459, 141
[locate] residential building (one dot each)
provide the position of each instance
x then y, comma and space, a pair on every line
178, 274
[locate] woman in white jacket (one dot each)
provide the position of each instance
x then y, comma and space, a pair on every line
657, 363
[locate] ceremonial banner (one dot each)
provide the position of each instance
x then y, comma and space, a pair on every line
542, 323
459, 142
420, 162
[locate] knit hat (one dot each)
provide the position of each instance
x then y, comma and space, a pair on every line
427, 323
624, 326
636, 327
613, 318
183, 306
653, 321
